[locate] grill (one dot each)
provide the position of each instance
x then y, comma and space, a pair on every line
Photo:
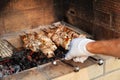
25, 58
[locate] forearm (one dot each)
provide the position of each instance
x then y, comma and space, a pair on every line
106, 47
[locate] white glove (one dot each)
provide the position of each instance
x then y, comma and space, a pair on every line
78, 51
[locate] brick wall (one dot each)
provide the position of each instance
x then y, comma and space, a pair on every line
97, 17
92, 16
80, 14
101, 18
107, 17
16, 15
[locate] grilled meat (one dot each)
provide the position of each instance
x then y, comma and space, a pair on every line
39, 41
62, 35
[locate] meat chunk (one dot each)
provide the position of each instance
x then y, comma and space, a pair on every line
62, 35
39, 41
47, 46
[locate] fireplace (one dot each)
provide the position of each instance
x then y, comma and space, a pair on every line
92, 18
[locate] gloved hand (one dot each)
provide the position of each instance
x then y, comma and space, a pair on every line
78, 51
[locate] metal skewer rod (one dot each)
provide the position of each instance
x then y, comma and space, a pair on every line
98, 61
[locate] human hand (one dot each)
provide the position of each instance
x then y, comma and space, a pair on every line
78, 51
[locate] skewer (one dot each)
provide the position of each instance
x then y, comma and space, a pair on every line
98, 61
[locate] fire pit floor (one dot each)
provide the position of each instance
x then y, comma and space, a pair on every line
60, 71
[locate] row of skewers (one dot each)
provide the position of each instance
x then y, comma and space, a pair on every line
48, 39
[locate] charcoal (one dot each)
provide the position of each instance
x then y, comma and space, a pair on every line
26, 59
